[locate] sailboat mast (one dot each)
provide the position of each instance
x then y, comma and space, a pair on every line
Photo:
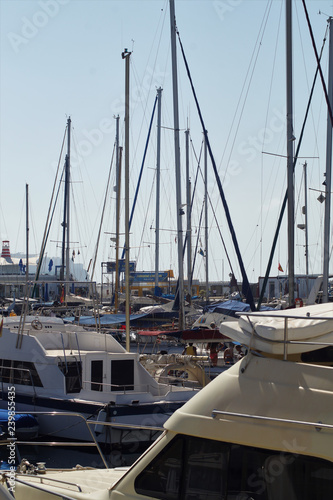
126, 56
206, 222
290, 154
65, 223
188, 218
306, 227
177, 166
158, 182
27, 238
118, 184
68, 176
328, 174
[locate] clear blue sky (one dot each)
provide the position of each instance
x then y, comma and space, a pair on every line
62, 58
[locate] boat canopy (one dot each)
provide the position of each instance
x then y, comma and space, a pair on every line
229, 307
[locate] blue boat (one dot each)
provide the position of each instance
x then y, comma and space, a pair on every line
26, 425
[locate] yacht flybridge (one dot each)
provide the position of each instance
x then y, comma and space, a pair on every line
262, 430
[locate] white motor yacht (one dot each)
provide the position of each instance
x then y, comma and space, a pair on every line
54, 367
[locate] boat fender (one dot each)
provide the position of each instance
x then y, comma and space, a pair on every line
36, 324
101, 417
298, 302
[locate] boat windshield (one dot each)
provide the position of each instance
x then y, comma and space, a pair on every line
194, 468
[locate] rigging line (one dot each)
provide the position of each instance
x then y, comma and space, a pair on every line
31, 218
192, 201
318, 64
196, 176
145, 219
246, 285
49, 218
284, 203
211, 205
246, 95
48, 231
298, 202
151, 71
79, 160
222, 239
197, 242
194, 187
102, 215
198, 169
74, 213
196, 248
19, 226
262, 195
257, 44
141, 171
163, 16
285, 156
143, 101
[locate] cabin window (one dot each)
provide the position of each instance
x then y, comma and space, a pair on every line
19, 372
25, 373
73, 375
324, 355
5, 370
122, 375
97, 375
194, 468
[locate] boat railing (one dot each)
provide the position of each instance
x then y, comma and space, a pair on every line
318, 426
134, 389
76, 444
285, 341
124, 389
87, 422
56, 482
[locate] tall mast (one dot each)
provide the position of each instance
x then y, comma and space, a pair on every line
328, 174
188, 218
206, 222
68, 174
27, 237
126, 56
306, 227
177, 166
65, 223
158, 181
290, 154
118, 184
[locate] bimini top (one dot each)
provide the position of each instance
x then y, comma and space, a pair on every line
301, 330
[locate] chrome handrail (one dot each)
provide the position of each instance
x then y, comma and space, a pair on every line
317, 425
49, 492
55, 481
70, 414
280, 315
88, 423
126, 426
